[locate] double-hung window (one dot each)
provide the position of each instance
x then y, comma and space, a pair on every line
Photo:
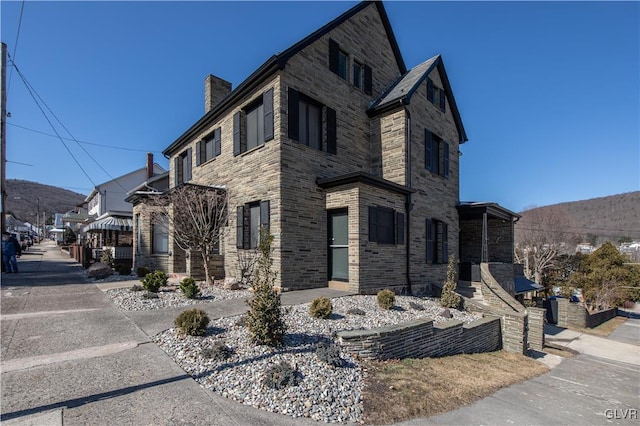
160, 235
305, 122
249, 219
437, 241
386, 226
209, 147
182, 167
436, 157
339, 64
253, 125
436, 96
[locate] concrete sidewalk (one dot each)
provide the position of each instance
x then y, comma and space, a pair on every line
69, 356
602, 347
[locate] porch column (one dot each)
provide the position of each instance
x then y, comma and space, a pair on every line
485, 239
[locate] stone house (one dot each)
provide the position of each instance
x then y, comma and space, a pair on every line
348, 157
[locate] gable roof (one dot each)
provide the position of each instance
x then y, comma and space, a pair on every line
399, 94
278, 62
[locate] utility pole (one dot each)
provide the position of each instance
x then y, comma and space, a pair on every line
38, 219
3, 136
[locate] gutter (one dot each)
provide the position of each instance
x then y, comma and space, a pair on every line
408, 203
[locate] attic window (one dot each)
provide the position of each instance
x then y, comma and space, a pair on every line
436, 96
343, 60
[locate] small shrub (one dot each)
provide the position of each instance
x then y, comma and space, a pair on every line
416, 306
153, 281
193, 322
356, 311
280, 376
122, 269
136, 287
265, 320
321, 307
107, 258
386, 299
189, 288
150, 295
217, 352
329, 354
142, 271
449, 298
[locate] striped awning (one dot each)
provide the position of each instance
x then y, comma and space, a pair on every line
110, 223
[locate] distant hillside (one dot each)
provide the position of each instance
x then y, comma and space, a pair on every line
22, 199
609, 218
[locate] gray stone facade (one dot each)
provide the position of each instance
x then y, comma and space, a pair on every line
384, 149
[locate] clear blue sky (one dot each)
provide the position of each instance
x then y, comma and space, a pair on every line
548, 92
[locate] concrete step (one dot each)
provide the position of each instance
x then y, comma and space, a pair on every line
470, 290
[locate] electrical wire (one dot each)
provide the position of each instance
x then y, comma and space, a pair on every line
15, 45
29, 89
84, 142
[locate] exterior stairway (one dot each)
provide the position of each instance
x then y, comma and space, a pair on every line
471, 290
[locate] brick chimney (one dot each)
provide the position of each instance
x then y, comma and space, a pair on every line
215, 89
149, 165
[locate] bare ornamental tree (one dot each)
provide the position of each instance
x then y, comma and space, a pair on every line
541, 235
197, 216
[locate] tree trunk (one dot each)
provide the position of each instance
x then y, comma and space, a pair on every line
205, 262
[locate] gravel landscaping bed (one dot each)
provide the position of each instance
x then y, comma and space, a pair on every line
170, 296
324, 393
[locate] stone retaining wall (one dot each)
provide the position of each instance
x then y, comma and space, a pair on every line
577, 316
535, 335
422, 338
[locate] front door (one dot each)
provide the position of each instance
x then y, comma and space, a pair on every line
338, 245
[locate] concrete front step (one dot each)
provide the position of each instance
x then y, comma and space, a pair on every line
470, 290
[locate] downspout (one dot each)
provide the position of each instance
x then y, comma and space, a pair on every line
408, 201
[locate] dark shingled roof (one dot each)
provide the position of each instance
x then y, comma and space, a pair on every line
278, 62
400, 92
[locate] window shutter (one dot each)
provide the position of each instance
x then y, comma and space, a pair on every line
177, 178
294, 115
264, 214
443, 104
187, 172
430, 91
217, 141
240, 227
333, 56
198, 153
267, 105
429, 229
373, 223
332, 133
445, 172
236, 134
368, 79
445, 243
399, 228
428, 150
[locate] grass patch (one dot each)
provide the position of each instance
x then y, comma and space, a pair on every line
604, 329
402, 390
559, 350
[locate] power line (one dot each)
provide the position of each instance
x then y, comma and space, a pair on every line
78, 143
84, 142
15, 45
29, 89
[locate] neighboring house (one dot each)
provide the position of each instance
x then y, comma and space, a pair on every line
348, 157
150, 238
112, 225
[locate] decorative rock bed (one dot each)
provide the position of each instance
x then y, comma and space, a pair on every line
325, 393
